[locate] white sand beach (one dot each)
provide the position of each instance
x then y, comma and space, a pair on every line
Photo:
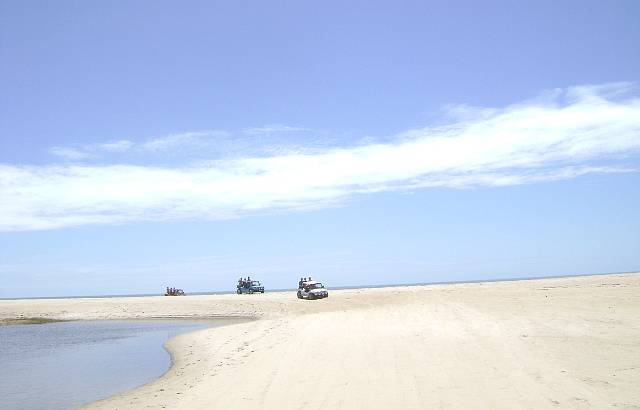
565, 342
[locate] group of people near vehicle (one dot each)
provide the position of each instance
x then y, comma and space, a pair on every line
243, 283
303, 280
174, 292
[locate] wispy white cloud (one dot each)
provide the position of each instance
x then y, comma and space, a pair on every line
179, 143
202, 145
90, 151
273, 129
182, 141
114, 146
70, 153
572, 133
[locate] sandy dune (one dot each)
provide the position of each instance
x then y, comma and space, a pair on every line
568, 343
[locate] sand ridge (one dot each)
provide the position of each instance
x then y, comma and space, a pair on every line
565, 342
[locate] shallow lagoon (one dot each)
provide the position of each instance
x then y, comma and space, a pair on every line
65, 364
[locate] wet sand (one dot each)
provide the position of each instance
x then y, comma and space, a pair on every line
565, 342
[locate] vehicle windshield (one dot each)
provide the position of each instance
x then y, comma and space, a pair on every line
255, 282
315, 286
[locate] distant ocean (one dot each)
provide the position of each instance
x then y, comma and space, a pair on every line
383, 285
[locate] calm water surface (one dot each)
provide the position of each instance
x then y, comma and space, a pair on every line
65, 364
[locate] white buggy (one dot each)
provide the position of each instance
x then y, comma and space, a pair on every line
312, 290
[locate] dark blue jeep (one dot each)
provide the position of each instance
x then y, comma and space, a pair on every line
252, 286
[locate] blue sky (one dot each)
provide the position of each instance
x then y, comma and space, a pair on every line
151, 144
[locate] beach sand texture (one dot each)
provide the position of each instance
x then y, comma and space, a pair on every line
565, 342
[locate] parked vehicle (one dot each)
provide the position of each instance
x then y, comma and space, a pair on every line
312, 290
174, 292
249, 286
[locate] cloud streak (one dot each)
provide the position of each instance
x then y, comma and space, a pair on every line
173, 143
71, 154
204, 144
565, 134
273, 129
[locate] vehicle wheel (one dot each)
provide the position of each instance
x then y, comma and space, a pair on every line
239, 292
262, 291
250, 291
311, 297
299, 295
